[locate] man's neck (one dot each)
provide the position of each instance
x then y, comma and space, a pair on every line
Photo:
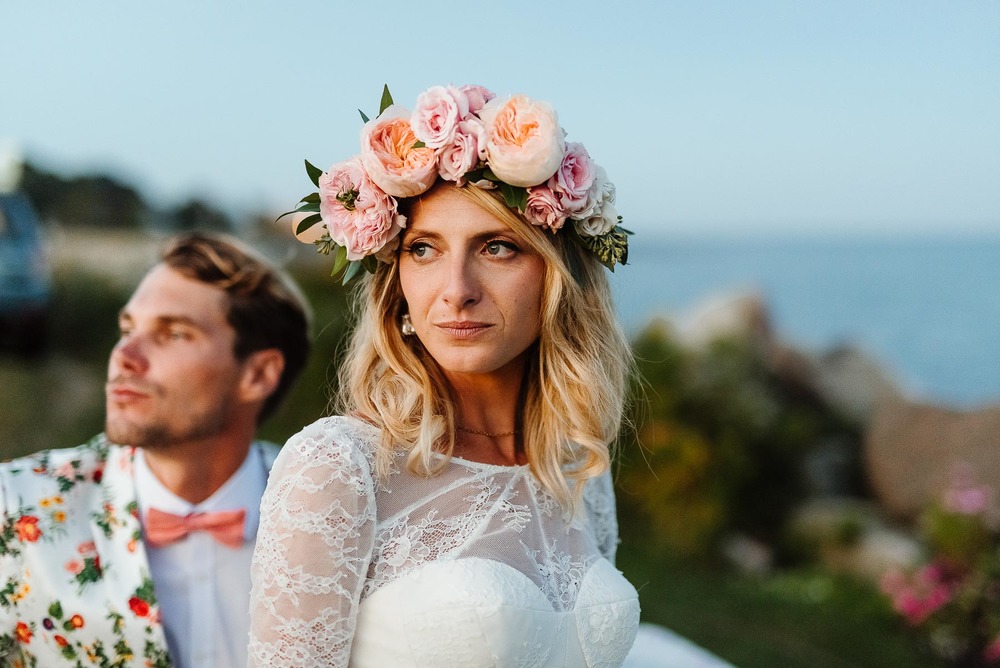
194, 471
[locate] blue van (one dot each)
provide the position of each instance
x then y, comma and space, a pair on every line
25, 276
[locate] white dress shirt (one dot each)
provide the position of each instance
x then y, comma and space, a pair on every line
202, 586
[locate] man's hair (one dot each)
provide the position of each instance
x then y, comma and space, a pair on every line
264, 306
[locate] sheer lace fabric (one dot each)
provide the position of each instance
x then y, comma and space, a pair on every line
476, 566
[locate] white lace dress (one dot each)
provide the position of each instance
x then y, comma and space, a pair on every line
474, 567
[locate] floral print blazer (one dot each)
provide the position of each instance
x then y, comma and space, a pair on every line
75, 586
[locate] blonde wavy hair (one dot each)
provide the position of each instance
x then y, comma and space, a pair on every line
573, 394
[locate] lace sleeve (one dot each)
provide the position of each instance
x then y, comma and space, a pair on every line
313, 549
599, 500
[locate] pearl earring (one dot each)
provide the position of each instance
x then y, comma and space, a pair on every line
406, 327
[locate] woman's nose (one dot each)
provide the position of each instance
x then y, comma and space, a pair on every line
463, 288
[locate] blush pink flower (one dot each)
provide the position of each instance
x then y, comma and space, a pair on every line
358, 215
477, 96
602, 222
525, 144
574, 179
389, 156
74, 566
467, 149
437, 114
992, 651
87, 548
544, 209
916, 598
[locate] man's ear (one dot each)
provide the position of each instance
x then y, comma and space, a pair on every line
261, 374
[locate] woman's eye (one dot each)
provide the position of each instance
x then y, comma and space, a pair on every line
499, 248
418, 249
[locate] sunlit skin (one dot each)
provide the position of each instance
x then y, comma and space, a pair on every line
474, 294
176, 389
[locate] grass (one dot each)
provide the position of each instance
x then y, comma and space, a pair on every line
799, 619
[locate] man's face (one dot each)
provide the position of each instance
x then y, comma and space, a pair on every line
172, 376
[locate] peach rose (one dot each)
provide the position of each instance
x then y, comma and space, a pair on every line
357, 213
438, 112
389, 157
525, 144
544, 208
468, 147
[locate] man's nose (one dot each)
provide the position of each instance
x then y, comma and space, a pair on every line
129, 354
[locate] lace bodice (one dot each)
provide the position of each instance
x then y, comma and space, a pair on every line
475, 566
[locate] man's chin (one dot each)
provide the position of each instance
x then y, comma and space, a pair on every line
135, 435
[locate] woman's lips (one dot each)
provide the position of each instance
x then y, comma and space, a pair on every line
465, 329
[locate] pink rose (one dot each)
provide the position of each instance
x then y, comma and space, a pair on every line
544, 208
478, 96
438, 112
358, 215
390, 159
574, 178
525, 143
602, 222
87, 548
601, 190
74, 566
466, 150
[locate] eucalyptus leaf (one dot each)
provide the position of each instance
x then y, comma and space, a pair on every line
370, 263
307, 222
352, 270
509, 196
364, 117
386, 99
340, 259
314, 173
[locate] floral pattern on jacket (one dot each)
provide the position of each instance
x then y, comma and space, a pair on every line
75, 588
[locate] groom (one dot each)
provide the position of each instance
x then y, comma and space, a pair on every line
135, 548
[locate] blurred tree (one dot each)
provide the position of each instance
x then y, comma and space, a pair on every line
93, 200
197, 214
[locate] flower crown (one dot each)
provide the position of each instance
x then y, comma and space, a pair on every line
466, 135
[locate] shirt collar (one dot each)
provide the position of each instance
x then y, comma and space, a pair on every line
243, 489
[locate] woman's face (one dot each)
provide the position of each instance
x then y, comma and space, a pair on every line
473, 290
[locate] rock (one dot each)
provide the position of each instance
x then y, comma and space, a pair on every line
911, 449
852, 383
741, 316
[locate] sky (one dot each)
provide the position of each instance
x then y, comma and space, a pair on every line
711, 117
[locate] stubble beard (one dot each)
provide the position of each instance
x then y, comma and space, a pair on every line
159, 435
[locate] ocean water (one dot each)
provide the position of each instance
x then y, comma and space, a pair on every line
928, 309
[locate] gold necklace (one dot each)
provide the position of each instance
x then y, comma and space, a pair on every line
486, 433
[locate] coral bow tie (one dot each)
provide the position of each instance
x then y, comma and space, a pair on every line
226, 526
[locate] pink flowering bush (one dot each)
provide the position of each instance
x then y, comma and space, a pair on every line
953, 599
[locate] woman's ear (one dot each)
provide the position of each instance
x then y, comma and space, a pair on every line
261, 374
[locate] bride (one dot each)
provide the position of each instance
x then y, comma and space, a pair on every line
459, 510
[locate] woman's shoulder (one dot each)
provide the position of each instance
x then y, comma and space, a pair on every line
336, 440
